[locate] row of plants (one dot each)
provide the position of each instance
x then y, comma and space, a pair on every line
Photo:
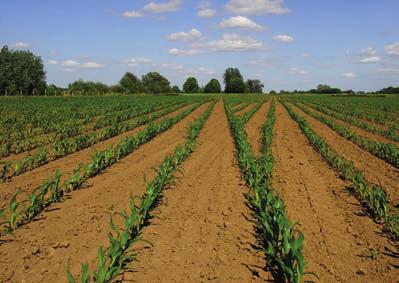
386, 151
21, 128
61, 148
391, 133
277, 236
73, 127
372, 196
24, 210
380, 110
119, 253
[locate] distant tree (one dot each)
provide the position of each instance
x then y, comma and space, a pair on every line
130, 83
233, 80
176, 89
254, 86
389, 90
273, 92
154, 82
21, 72
117, 89
81, 87
326, 89
213, 87
191, 85
53, 90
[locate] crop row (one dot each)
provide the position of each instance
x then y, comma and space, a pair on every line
280, 241
386, 151
115, 258
65, 147
390, 133
373, 197
23, 211
72, 128
20, 125
377, 110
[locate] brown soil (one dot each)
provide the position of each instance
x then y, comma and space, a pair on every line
246, 109
39, 251
34, 178
253, 128
374, 169
336, 233
355, 129
202, 233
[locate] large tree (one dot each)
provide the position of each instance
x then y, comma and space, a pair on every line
254, 86
154, 82
130, 83
233, 80
191, 85
21, 72
213, 87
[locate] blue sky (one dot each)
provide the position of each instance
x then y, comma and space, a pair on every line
291, 44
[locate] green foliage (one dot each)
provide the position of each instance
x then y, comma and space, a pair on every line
131, 84
233, 80
373, 197
21, 72
191, 85
112, 260
213, 87
282, 244
254, 86
155, 83
81, 87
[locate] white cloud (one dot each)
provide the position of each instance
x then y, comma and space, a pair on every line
135, 61
240, 22
69, 70
176, 51
256, 7
92, 65
297, 71
388, 71
232, 42
164, 7
284, 38
178, 68
350, 75
185, 36
368, 60
53, 62
369, 51
392, 49
206, 13
21, 45
132, 14
70, 63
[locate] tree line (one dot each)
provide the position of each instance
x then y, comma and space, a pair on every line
22, 73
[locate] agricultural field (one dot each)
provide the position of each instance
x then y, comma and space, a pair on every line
194, 188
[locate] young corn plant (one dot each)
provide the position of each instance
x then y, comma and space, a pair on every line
282, 244
373, 197
112, 260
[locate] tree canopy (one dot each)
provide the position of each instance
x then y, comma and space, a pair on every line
130, 83
233, 80
154, 82
213, 87
191, 85
21, 72
81, 87
254, 86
